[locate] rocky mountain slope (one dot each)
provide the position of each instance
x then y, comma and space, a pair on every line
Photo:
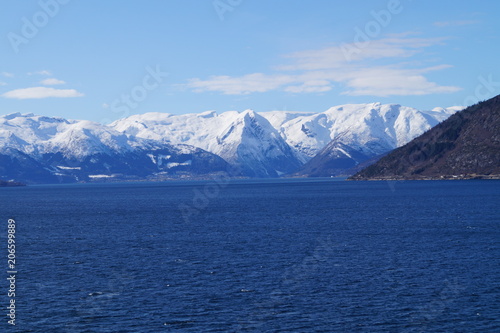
466, 145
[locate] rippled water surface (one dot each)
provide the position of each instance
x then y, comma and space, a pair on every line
256, 256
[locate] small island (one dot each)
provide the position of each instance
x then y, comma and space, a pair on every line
4, 183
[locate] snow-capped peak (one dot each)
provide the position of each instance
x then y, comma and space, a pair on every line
242, 138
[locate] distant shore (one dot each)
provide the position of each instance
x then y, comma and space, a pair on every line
441, 177
4, 183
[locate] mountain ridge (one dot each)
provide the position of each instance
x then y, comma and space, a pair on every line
372, 129
162, 145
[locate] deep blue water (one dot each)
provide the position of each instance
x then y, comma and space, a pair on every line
255, 256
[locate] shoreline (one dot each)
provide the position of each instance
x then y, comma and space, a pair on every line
441, 177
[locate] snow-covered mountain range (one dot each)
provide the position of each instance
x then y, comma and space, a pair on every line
244, 139
278, 142
373, 128
46, 149
266, 144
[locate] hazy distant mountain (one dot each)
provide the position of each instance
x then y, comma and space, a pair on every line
466, 145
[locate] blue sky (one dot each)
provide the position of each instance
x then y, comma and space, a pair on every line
103, 60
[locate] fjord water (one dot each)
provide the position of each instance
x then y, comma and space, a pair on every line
258, 256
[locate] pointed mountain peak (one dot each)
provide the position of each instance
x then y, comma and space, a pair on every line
249, 112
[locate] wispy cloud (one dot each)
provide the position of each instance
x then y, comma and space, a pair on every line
52, 82
6, 74
3, 83
388, 81
256, 82
362, 73
42, 72
41, 92
335, 57
443, 24
310, 86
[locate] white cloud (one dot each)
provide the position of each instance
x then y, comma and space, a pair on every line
385, 82
51, 82
6, 74
358, 67
3, 83
41, 92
